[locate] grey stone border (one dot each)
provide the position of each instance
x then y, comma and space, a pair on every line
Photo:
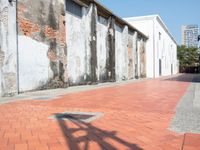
187, 117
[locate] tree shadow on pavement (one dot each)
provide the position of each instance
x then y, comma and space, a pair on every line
192, 78
92, 135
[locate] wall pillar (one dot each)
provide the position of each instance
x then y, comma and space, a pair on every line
8, 48
137, 57
110, 62
125, 52
93, 44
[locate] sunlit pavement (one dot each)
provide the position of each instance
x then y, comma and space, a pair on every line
135, 116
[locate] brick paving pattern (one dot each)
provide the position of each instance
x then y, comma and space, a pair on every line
136, 117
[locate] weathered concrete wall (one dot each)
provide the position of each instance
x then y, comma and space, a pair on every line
125, 52
106, 49
62, 43
121, 37
81, 45
134, 54
131, 55
42, 44
8, 63
142, 58
102, 48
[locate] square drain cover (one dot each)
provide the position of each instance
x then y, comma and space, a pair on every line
77, 116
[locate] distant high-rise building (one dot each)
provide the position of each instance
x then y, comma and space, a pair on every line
190, 35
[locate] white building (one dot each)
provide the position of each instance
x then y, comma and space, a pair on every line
161, 48
190, 35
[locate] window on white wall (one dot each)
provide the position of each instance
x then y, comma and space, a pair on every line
102, 20
159, 36
73, 8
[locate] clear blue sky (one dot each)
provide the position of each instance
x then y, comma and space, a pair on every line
173, 12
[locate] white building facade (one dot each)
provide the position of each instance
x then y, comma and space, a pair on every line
161, 48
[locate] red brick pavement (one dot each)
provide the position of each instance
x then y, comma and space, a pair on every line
136, 117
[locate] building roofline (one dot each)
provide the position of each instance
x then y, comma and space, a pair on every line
118, 19
151, 17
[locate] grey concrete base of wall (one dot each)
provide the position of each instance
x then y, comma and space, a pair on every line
52, 94
187, 118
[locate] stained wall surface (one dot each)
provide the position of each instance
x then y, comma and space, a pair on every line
42, 44
102, 48
79, 44
62, 43
8, 49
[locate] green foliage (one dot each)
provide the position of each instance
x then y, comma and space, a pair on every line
188, 57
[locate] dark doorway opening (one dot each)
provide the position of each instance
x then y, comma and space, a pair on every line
160, 67
172, 69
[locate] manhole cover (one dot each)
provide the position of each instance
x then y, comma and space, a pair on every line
77, 116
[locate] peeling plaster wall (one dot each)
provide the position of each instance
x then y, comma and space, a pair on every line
121, 36
142, 58
138, 57
131, 58
62, 43
134, 53
42, 44
8, 76
125, 52
147, 28
78, 31
102, 48
141, 54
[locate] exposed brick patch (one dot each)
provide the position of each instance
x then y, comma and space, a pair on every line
27, 27
21, 9
52, 56
47, 25
62, 33
50, 33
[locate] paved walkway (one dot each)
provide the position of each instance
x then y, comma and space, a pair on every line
187, 118
134, 116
